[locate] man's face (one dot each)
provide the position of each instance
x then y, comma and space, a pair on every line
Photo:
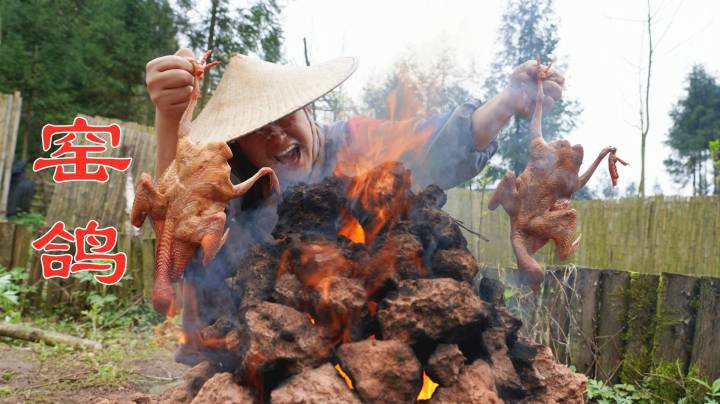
286, 145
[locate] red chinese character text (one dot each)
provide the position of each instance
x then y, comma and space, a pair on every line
80, 157
93, 248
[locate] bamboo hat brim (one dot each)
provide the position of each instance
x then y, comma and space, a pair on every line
252, 93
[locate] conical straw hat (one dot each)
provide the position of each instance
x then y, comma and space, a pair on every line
253, 93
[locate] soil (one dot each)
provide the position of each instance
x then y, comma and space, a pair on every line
131, 363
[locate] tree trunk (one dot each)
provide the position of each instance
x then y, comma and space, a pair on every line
646, 128
210, 45
29, 111
716, 172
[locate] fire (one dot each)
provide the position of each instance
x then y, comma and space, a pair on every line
319, 261
344, 375
428, 388
375, 142
351, 228
181, 337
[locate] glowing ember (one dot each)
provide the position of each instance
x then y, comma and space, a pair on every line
428, 388
344, 376
312, 320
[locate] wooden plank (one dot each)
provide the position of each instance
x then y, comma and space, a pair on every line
640, 326
148, 266
21, 246
612, 307
7, 235
705, 353
583, 306
675, 326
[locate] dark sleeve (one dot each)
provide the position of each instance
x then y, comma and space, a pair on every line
451, 157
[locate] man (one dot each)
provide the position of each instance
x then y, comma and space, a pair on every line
278, 132
261, 110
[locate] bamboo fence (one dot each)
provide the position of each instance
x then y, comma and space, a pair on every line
650, 235
10, 108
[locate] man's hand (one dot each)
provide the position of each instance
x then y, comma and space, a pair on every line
520, 94
169, 82
518, 98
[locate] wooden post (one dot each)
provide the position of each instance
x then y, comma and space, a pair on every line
676, 315
583, 306
705, 353
612, 307
5, 117
640, 326
21, 246
11, 124
7, 235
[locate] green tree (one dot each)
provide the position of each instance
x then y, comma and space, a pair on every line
696, 123
528, 29
228, 29
68, 57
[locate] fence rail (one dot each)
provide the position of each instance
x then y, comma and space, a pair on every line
650, 235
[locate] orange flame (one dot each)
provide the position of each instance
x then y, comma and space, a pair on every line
181, 337
428, 388
321, 260
351, 228
344, 375
374, 142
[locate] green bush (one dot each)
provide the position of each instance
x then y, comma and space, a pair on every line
665, 384
13, 290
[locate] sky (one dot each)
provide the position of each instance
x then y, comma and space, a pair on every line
603, 44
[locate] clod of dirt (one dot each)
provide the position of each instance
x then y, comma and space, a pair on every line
457, 263
382, 371
445, 232
290, 292
319, 385
438, 310
491, 290
315, 208
399, 257
476, 384
196, 377
221, 388
279, 342
254, 276
553, 382
445, 364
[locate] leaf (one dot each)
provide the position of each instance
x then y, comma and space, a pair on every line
716, 386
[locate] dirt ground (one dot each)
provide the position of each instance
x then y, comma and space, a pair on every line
129, 363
